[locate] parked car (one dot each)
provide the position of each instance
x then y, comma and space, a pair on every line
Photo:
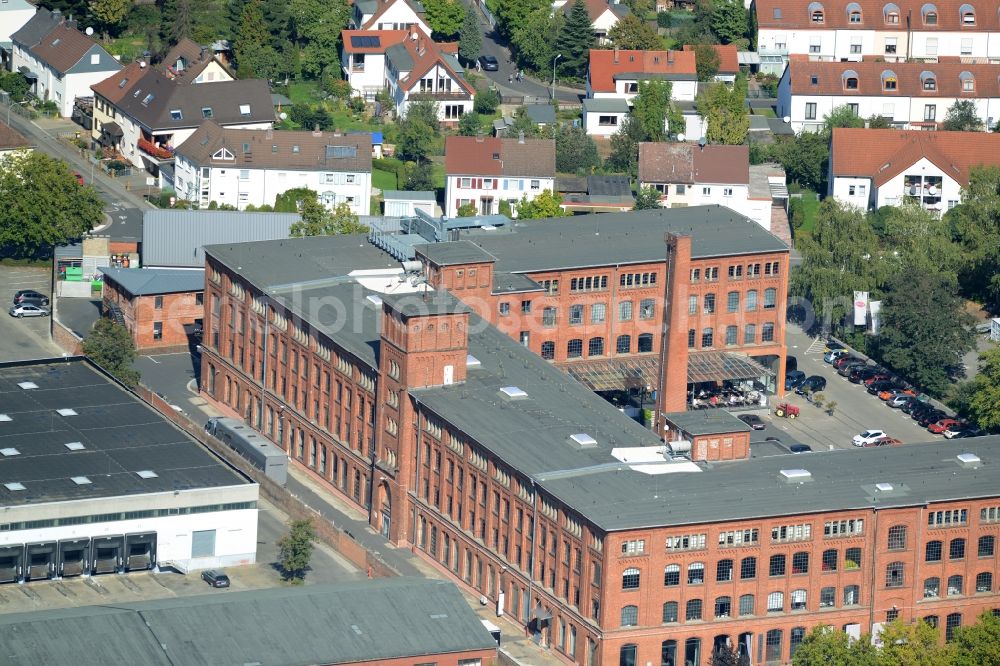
791, 363
859, 374
832, 345
883, 441
800, 448
811, 384
834, 354
919, 408
882, 385
847, 368
938, 427
879, 376
30, 296
489, 63
28, 310
79, 177
753, 421
893, 393
971, 432
912, 405
930, 416
793, 379
845, 359
868, 436
215, 578
898, 400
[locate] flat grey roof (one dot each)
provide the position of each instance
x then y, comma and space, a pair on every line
707, 422
371, 620
605, 105
406, 195
544, 114
454, 253
149, 281
120, 434
176, 237
607, 239
509, 283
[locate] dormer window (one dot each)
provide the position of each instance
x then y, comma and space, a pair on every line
888, 80
176, 114
929, 14
850, 80
122, 83
814, 80
206, 112
928, 81
147, 99
776, 13
854, 13
816, 12
968, 82
223, 154
245, 110
890, 13
968, 14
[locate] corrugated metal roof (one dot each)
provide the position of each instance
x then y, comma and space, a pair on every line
176, 237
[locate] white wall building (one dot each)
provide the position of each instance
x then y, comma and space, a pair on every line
419, 69
483, 171
910, 95
59, 61
13, 15
616, 73
928, 168
387, 15
240, 167
362, 58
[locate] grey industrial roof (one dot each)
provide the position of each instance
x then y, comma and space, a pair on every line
149, 281
371, 620
301, 260
707, 422
605, 105
607, 239
455, 252
510, 283
175, 238
121, 435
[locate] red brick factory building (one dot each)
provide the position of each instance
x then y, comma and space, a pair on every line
464, 442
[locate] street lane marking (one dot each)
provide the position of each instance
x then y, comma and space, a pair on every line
153, 360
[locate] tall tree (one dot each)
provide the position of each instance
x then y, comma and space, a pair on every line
296, 549
962, 116
178, 20
982, 404
574, 41
925, 329
624, 155
976, 225
655, 112
841, 116
317, 25
728, 20
533, 40
706, 61
41, 205
979, 644
724, 109
445, 17
255, 57
470, 37
631, 32
805, 159
829, 646
110, 346
110, 13
545, 204
418, 131
575, 150
911, 645
646, 198
316, 220
511, 14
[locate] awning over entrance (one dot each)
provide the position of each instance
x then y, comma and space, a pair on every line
28, 74
617, 374
717, 366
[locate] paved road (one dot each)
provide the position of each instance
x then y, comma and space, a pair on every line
78, 314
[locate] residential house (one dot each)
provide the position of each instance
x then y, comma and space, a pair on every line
896, 30
604, 15
419, 69
596, 194
12, 141
363, 58
729, 61
398, 203
188, 62
694, 175
483, 171
13, 15
911, 95
613, 77
388, 15
60, 62
251, 167
145, 114
871, 168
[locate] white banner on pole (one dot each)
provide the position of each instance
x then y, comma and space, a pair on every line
875, 307
860, 308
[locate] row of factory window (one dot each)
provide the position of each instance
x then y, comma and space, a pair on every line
124, 515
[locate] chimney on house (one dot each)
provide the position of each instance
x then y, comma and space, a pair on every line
520, 136
414, 34
616, 55
480, 137
270, 133
670, 57
316, 131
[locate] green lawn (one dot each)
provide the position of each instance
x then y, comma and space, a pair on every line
384, 180
302, 92
767, 113
129, 48
810, 205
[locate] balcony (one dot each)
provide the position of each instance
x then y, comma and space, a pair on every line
153, 150
439, 96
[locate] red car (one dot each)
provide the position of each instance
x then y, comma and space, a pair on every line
877, 377
882, 441
942, 425
79, 177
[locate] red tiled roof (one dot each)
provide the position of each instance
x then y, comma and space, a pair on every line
729, 62
492, 156
386, 38
797, 15
116, 86
687, 163
883, 154
426, 53
830, 78
65, 46
606, 66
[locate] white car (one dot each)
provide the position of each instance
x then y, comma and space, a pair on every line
26, 310
868, 437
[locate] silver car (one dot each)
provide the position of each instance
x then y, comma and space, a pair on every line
28, 310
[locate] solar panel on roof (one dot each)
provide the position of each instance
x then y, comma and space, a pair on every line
365, 41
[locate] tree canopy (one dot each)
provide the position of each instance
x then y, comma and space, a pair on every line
841, 116
646, 198
724, 109
418, 131
295, 549
545, 204
317, 220
317, 25
982, 402
729, 20
631, 32
255, 56
625, 146
110, 346
962, 116
445, 17
652, 106
575, 150
706, 60
574, 41
470, 37
975, 224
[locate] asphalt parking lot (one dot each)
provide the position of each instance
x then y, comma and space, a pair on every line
28, 338
326, 567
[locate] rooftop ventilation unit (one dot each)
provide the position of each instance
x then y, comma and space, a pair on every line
374, 300
472, 362
583, 440
796, 475
147, 474
884, 487
14, 485
66, 412
27, 386
9, 451
513, 393
80, 480
970, 460
75, 446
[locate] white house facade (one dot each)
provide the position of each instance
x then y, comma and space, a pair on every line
387, 15
363, 59
14, 14
418, 69
483, 171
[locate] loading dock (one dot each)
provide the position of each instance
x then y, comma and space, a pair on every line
74, 557
107, 554
40, 560
140, 551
